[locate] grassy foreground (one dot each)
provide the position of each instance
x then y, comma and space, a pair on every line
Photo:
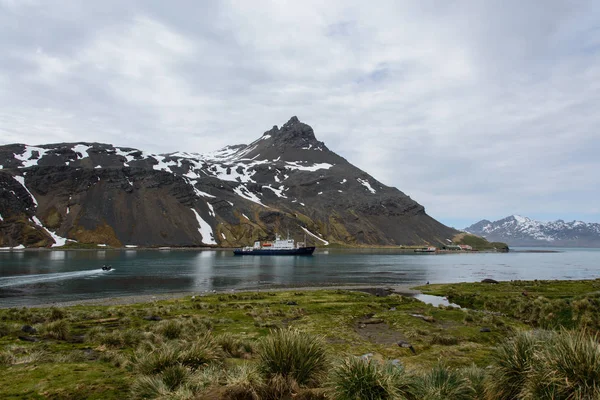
309, 345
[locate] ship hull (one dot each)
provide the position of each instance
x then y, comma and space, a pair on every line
303, 251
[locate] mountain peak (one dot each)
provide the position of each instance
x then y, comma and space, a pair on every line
293, 120
117, 196
520, 219
294, 141
297, 133
517, 230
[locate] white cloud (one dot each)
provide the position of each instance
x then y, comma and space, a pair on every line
473, 109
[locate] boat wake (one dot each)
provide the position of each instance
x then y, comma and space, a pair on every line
21, 280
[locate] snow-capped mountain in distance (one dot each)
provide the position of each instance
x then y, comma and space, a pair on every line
286, 180
516, 230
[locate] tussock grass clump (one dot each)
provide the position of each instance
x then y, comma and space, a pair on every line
155, 361
29, 315
279, 387
132, 337
294, 354
202, 352
118, 359
149, 387
14, 354
356, 378
70, 357
5, 329
442, 383
175, 376
199, 354
182, 329
234, 346
567, 367
210, 376
312, 394
93, 333
60, 329
477, 378
513, 361
170, 329
111, 339
176, 382
244, 382
57, 313
201, 324
93, 315
7, 358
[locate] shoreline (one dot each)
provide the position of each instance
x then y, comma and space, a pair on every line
322, 250
403, 289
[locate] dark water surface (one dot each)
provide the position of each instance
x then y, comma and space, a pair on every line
40, 277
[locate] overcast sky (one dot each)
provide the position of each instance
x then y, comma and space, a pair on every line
476, 109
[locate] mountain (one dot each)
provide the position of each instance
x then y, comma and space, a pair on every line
284, 181
522, 231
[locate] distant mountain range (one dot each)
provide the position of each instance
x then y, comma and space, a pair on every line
285, 181
522, 231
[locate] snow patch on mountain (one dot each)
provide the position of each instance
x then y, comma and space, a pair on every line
205, 230
58, 240
325, 242
28, 158
211, 209
518, 229
82, 150
366, 184
295, 165
243, 191
278, 191
521, 220
21, 180
162, 165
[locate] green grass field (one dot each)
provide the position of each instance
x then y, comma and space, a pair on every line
100, 352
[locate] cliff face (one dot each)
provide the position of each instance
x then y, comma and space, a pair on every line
286, 180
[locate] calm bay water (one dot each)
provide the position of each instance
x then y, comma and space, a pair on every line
41, 277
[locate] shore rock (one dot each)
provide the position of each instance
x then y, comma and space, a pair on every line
29, 329
488, 280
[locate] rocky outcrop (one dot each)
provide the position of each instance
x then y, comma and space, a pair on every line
284, 181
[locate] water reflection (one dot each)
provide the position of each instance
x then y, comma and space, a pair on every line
434, 300
58, 255
204, 269
154, 272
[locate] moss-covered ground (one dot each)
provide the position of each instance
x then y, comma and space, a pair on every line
86, 351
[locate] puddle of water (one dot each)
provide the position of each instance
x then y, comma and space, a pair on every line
434, 300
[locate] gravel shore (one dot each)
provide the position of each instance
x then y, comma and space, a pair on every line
147, 298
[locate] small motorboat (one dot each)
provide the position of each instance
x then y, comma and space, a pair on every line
106, 268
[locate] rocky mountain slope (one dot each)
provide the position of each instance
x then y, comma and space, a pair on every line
522, 231
284, 181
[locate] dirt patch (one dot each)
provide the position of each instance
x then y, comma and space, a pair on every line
377, 291
376, 330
